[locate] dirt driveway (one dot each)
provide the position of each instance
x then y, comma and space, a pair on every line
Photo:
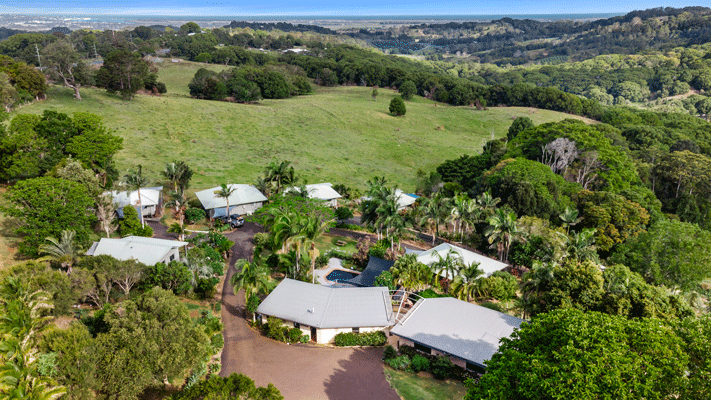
298, 371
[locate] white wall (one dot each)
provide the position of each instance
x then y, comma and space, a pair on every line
173, 252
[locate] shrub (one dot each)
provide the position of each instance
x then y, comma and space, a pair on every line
261, 239
389, 353
407, 90
419, 363
304, 339
343, 213
376, 338
402, 363
275, 329
217, 341
173, 276
294, 335
193, 215
397, 106
321, 261
385, 279
205, 288
442, 367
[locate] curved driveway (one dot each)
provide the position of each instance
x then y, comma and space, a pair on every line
298, 371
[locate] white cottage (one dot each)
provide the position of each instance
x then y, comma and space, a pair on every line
246, 199
148, 251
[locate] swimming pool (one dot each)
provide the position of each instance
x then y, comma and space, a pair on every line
338, 275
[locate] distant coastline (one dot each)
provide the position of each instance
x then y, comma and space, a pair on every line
103, 21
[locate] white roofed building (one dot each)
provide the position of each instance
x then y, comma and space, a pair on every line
486, 264
467, 333
148, 251
322, 312
321, 191
246, 199
151, 200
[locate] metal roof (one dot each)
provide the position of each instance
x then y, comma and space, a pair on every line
462, 329
150, 196
145, 250
320, 191
328, 307
486, 264
375, 267
243, 194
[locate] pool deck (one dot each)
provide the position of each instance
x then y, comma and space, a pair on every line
333, 264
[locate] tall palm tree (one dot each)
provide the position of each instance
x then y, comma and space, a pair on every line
387, 212
434, 213
281, 173
253, 278
447, 267
65, 250
290, 230
224, 192
314, 228
459, 208
467, 284
502, 232
488, 203
135, 180
178, 175
471, 215
569, 217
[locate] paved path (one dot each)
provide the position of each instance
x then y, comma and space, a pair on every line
298, 371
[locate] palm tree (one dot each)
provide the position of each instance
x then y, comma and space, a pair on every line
433, 210
470, 216
535, 282
314, 228
458, 211
581, 246
253, 278
265, 186
65, 250
488, 203
178, 202
290, 231
447, 267
569, 217
224, 192
387, 213
410, 273
502, 232
281, 174
135, 180
178, 175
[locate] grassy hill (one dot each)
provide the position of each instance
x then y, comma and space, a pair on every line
337, 134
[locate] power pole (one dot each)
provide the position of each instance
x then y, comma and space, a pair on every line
96, 55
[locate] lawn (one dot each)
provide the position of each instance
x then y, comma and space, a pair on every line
328, 242
411, 386
338, 134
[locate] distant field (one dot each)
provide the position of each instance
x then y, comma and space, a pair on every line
338, 134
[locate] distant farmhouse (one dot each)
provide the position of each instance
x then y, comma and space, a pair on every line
151, 200
321, 191
148, 251
246, 199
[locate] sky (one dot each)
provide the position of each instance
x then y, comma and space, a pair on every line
329, 7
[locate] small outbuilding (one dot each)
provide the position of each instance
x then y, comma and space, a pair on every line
486, 264
323, 192
322, 312
245, 199
148, 251
151, 200
466, 333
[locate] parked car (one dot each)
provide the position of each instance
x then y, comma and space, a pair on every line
235, 221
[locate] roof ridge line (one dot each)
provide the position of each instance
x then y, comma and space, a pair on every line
328, 304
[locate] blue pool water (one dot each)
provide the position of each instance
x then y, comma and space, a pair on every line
339, 276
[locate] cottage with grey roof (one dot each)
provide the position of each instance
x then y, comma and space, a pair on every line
324, 311
245, 199
148, 251
466, 333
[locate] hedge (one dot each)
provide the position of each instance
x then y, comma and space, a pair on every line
376, 338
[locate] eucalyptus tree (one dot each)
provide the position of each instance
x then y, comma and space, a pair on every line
135, 180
